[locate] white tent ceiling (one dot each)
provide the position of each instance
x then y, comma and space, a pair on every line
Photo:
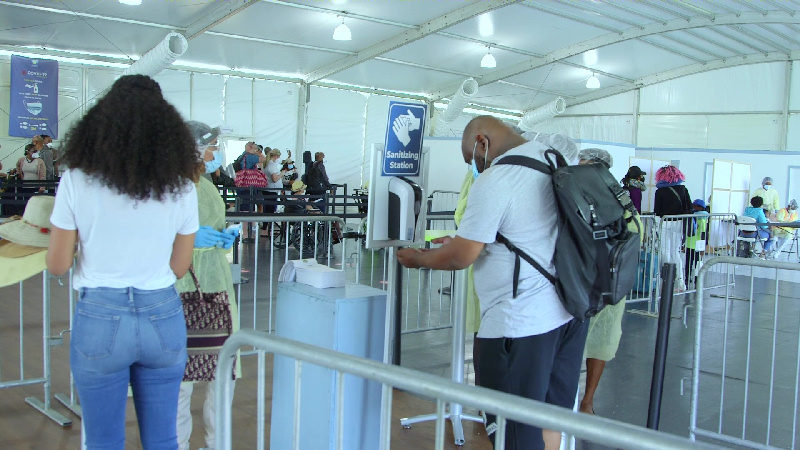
543, 48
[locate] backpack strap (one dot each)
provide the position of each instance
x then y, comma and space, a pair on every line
525, 161
518, 253
535, 164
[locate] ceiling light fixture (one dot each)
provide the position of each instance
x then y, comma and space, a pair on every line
131, 2
342, 32
593, 82
488, 61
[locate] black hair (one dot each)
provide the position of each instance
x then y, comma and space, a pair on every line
134, 141
756, 202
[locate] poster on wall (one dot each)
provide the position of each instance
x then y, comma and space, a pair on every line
403, 144
34, 97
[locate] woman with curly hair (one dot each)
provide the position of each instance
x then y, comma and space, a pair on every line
129, 202
672, 199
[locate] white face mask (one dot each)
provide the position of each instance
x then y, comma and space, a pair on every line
35, 155
49, 145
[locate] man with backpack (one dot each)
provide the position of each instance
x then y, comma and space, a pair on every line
531, 345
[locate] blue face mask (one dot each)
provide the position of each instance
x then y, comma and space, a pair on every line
212, 165
767, 186
290, 166
475, 171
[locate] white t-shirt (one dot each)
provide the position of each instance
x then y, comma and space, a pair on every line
274, 167
122, 242
517, 202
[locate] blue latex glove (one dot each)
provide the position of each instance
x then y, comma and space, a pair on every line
227, 239
209, 237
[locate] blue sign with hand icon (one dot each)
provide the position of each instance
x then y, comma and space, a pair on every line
402, 149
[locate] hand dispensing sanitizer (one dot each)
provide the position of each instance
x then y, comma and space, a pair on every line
405, 203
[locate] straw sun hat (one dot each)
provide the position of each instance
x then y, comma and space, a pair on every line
33, 228
298, 185
25, 240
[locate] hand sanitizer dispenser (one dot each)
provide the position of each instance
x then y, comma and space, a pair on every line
405, 203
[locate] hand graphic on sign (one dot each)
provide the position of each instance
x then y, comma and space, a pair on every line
405, 124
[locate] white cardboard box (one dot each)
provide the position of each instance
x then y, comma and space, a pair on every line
320, 276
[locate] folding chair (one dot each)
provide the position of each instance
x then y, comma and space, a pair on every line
747, 237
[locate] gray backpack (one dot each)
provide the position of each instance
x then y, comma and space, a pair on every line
596, 256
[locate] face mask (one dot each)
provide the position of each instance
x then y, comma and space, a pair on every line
475, 171
35, 155
49, 145
290, 166
212, 165
766, 187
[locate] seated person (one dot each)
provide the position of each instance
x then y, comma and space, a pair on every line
757, 213
297, 204
783, 235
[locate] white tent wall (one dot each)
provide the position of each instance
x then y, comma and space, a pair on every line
738, 108
609, 119
335, 126
733, 108
275, 106
793, 137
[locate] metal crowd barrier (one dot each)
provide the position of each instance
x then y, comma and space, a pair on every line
48, 341
665, 240
507, 407
290, 237
426, 300
746, 369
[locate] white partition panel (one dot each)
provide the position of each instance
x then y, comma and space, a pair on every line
722, 175
275, 111
447, 166
335, 127
620, 153
239, 105
176, 87
731, 187
650, 166
207, 98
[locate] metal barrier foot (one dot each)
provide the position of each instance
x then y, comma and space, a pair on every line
70, 404
455, 421
49, 412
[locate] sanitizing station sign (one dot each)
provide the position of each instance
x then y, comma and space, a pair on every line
403, 145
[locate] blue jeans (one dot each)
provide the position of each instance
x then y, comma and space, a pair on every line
128, 336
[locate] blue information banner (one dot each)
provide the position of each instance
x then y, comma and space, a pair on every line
34, 97
402, 149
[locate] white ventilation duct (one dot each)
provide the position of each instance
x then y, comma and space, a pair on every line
542, 113
457, 104
159, 57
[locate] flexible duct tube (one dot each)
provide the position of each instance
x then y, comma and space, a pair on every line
542, 113
457, 103
160, 56
468, 88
